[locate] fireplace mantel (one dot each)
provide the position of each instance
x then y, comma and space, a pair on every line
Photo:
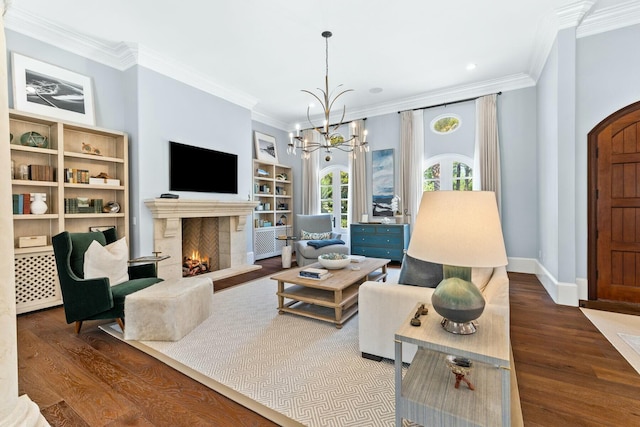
172, 210
167, 230
192, 208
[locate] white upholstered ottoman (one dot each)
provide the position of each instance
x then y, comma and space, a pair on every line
169, 310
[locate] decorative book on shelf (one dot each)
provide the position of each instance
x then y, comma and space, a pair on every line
82, 205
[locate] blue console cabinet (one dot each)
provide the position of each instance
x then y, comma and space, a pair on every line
380, 240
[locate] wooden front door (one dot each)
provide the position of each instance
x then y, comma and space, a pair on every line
614, 207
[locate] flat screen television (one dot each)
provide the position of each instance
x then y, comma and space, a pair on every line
201, 169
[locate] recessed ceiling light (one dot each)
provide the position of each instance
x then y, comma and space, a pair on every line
471, 66
375, 90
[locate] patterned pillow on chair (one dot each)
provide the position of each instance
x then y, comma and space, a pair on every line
305, 235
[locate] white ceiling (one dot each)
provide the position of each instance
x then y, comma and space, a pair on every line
261, 53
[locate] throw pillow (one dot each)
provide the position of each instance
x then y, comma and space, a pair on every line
108, 261
417, 272
306, 235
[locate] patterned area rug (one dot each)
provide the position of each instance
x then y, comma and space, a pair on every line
290, 369
622, 331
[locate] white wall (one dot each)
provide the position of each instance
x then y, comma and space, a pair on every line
169, 110
547, 162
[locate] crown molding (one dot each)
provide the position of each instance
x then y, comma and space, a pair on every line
153, 60
571, 14
270, 121
545, 37
114, 55
610, 18
120, 55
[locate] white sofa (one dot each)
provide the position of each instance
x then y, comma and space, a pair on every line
382, 307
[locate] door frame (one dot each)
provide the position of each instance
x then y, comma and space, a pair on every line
592, 198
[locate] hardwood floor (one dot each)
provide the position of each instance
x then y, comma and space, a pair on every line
568, 373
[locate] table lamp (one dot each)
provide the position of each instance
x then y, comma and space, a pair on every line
460, 230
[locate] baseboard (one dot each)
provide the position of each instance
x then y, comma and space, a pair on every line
522, 265
562, 293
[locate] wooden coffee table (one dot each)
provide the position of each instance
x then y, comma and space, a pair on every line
339, 293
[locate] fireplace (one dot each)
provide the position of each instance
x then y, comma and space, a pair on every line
222, 222
199, 246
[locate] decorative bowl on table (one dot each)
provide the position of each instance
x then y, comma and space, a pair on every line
334, 261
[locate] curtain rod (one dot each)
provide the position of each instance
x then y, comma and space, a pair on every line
450, 103
343, 123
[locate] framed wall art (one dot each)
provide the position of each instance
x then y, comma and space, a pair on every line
265, 147
49, 90
383, 181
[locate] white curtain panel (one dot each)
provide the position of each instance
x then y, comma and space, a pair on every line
488, 147
417, 157
311, 178
411, 156
358, 178
406, 137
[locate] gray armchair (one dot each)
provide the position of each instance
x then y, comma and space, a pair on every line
306, 254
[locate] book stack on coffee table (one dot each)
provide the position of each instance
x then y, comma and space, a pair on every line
315, 273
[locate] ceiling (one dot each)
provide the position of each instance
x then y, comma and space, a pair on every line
260, 54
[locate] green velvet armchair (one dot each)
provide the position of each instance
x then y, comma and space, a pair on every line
93, 299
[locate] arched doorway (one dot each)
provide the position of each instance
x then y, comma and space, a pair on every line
614, 211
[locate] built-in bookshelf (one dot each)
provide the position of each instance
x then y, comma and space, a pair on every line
81, 172
273, 190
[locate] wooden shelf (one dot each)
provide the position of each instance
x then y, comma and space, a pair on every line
264, 243
65, 142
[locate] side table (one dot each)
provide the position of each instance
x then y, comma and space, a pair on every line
426, 395
286, 250
155, 258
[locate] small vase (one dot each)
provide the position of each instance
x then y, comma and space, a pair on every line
38, 206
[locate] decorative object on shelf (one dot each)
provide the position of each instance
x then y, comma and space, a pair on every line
10, 137
282, 176
460, 230
34, 139
282, 220
101, 228
111, 207
334, 261
32, 241
89, 149
421, 311
46, 89
265, 147
38, 205
262, 172
23, 172
330, 138
382, 165
395, 204
461, 367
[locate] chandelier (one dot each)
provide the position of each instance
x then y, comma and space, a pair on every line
329, 136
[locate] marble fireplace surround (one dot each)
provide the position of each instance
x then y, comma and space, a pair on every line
232, 219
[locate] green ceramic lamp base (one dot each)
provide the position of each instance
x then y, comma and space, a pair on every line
458, 300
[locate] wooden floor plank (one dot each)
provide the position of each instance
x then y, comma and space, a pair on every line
568, 373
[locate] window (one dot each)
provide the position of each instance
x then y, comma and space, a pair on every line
334, 196
445, 123
448, 172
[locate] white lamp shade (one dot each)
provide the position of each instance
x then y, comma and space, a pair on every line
458, 228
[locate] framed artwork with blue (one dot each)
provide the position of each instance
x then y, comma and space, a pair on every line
382, 164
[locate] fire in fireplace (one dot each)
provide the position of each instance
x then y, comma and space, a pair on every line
194, 265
